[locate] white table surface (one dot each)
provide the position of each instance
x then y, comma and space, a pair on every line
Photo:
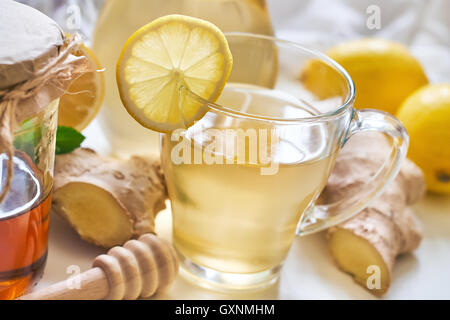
308, 273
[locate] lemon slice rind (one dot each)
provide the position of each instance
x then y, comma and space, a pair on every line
165, 60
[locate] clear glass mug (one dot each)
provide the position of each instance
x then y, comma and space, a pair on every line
24, 212
243, 180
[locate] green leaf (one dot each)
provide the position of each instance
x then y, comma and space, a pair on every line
67, 139
27, 138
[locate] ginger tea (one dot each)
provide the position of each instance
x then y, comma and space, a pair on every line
241, 216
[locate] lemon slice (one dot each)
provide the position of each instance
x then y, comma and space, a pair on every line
84, 97
163, 62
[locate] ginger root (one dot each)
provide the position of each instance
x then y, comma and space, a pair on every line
108, 201
386, 228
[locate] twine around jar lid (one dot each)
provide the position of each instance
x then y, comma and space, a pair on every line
36, 67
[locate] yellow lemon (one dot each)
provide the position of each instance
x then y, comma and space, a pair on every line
426, 116
384, 73
163, 57
84, 97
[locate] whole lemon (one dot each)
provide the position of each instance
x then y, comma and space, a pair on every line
384, 72
426, 116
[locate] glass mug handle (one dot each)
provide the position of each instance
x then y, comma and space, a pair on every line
320, 217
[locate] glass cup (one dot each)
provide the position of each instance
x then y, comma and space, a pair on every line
24, 212
244, 180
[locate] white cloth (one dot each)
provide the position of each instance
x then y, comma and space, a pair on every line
422, 25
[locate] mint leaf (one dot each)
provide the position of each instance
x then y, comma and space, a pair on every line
27, 138
67, 139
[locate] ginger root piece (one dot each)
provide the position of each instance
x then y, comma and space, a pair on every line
108, 201
386, 228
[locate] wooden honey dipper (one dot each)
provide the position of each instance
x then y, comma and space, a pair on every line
137, 269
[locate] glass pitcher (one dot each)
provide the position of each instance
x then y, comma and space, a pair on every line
117, 22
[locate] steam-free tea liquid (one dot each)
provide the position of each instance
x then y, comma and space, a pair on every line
231, 217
